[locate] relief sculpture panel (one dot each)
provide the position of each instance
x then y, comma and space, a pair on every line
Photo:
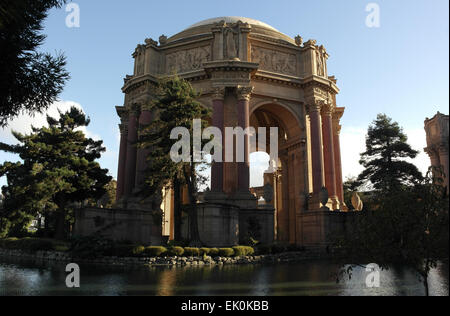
275, 61
188, 59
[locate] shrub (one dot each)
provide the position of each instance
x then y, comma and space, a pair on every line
176, 251
213, 252
91, 247
205, 251
28, 244
226, 252
191, 252
8, 243
241, 251
155, 251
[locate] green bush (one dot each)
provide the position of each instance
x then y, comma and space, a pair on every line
28, 244
155, 251
191, 252
92, 247
242, 251
213, 252
176, 251
8, 243
226, 252
205, 251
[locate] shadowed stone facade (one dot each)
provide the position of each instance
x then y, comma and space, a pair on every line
249, 74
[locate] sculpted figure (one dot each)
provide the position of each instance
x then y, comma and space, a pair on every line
231, 44
319, 64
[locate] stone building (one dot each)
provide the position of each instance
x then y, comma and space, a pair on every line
250, 74
437, 130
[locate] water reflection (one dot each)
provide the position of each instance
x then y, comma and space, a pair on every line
304, 279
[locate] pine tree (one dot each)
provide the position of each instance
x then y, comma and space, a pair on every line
175, 106
384, 159
30, 81
59, 168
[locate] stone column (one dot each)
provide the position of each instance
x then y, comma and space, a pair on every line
329, 154
244, 94
122, 160
443, 157
337, 159
145, 119
218, 121
130, 170
434, 157
317, 154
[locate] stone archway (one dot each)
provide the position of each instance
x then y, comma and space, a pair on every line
289, 180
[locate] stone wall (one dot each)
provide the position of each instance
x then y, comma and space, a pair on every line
257, 219
218, 225
119, 225
315, 228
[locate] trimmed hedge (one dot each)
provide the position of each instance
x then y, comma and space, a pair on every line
32, 244
214, 252
176, 251
226, 252
155, 251
205, 251
242, 251
191, 252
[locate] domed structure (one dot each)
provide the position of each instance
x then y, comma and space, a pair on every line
205, 26
251, 76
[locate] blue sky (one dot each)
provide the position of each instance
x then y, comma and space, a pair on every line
400, 68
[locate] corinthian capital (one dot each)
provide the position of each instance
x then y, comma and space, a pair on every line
219, 93
327, 108
123, 129
314, 105
244, 93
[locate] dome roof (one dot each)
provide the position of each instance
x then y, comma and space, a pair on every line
205, 27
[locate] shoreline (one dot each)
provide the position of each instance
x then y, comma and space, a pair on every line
55, 256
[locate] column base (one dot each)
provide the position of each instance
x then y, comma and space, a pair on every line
335, 204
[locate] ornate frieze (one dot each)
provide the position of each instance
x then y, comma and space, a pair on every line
187, 59
275, 61
229, 73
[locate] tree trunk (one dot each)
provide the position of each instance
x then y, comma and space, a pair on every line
195, 236
177, 209
61, 224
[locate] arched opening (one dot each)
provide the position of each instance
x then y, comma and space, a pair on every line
289, 179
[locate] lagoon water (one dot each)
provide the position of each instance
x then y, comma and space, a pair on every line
312, 278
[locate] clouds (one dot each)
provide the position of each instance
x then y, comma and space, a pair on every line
24, 122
